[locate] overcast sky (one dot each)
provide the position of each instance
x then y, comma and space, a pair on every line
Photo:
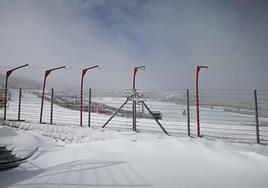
169, 37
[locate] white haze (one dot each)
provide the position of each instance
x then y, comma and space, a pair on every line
159, 34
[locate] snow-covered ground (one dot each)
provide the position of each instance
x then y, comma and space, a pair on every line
70, 156
120, 159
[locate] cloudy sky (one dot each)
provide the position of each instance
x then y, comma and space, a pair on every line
170, 37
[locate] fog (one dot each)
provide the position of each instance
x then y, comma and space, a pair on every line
169, 37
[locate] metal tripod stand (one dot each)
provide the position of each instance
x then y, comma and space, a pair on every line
136, 97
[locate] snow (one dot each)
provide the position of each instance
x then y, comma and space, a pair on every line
71, 156
19, 141
135, 160
72, 134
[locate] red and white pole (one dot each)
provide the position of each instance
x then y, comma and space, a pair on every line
134, 113
84, 71
134, 102
8, 73
198, 68
43, 89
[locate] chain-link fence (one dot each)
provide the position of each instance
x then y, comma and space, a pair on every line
233, 115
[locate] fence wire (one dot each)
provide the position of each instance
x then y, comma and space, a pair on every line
224, 114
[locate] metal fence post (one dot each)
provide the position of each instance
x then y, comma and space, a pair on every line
19, 108
256, 117
142, 106
89, 107
51, 108
188, 113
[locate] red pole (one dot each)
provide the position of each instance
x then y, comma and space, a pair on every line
197, 102
44, 87
198, 68
84, 71
5, 100
134, 114
8, 73
42, 101
134, 102
81, 97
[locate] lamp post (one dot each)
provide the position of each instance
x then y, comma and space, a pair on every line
134, 95
198, 68
84, 71
8, 73
44, 87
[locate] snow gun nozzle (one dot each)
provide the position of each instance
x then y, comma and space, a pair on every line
141, 67
200, 67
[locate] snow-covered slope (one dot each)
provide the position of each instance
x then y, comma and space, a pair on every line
147, 161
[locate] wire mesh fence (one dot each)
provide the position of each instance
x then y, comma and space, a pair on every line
224, 114
228, 115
